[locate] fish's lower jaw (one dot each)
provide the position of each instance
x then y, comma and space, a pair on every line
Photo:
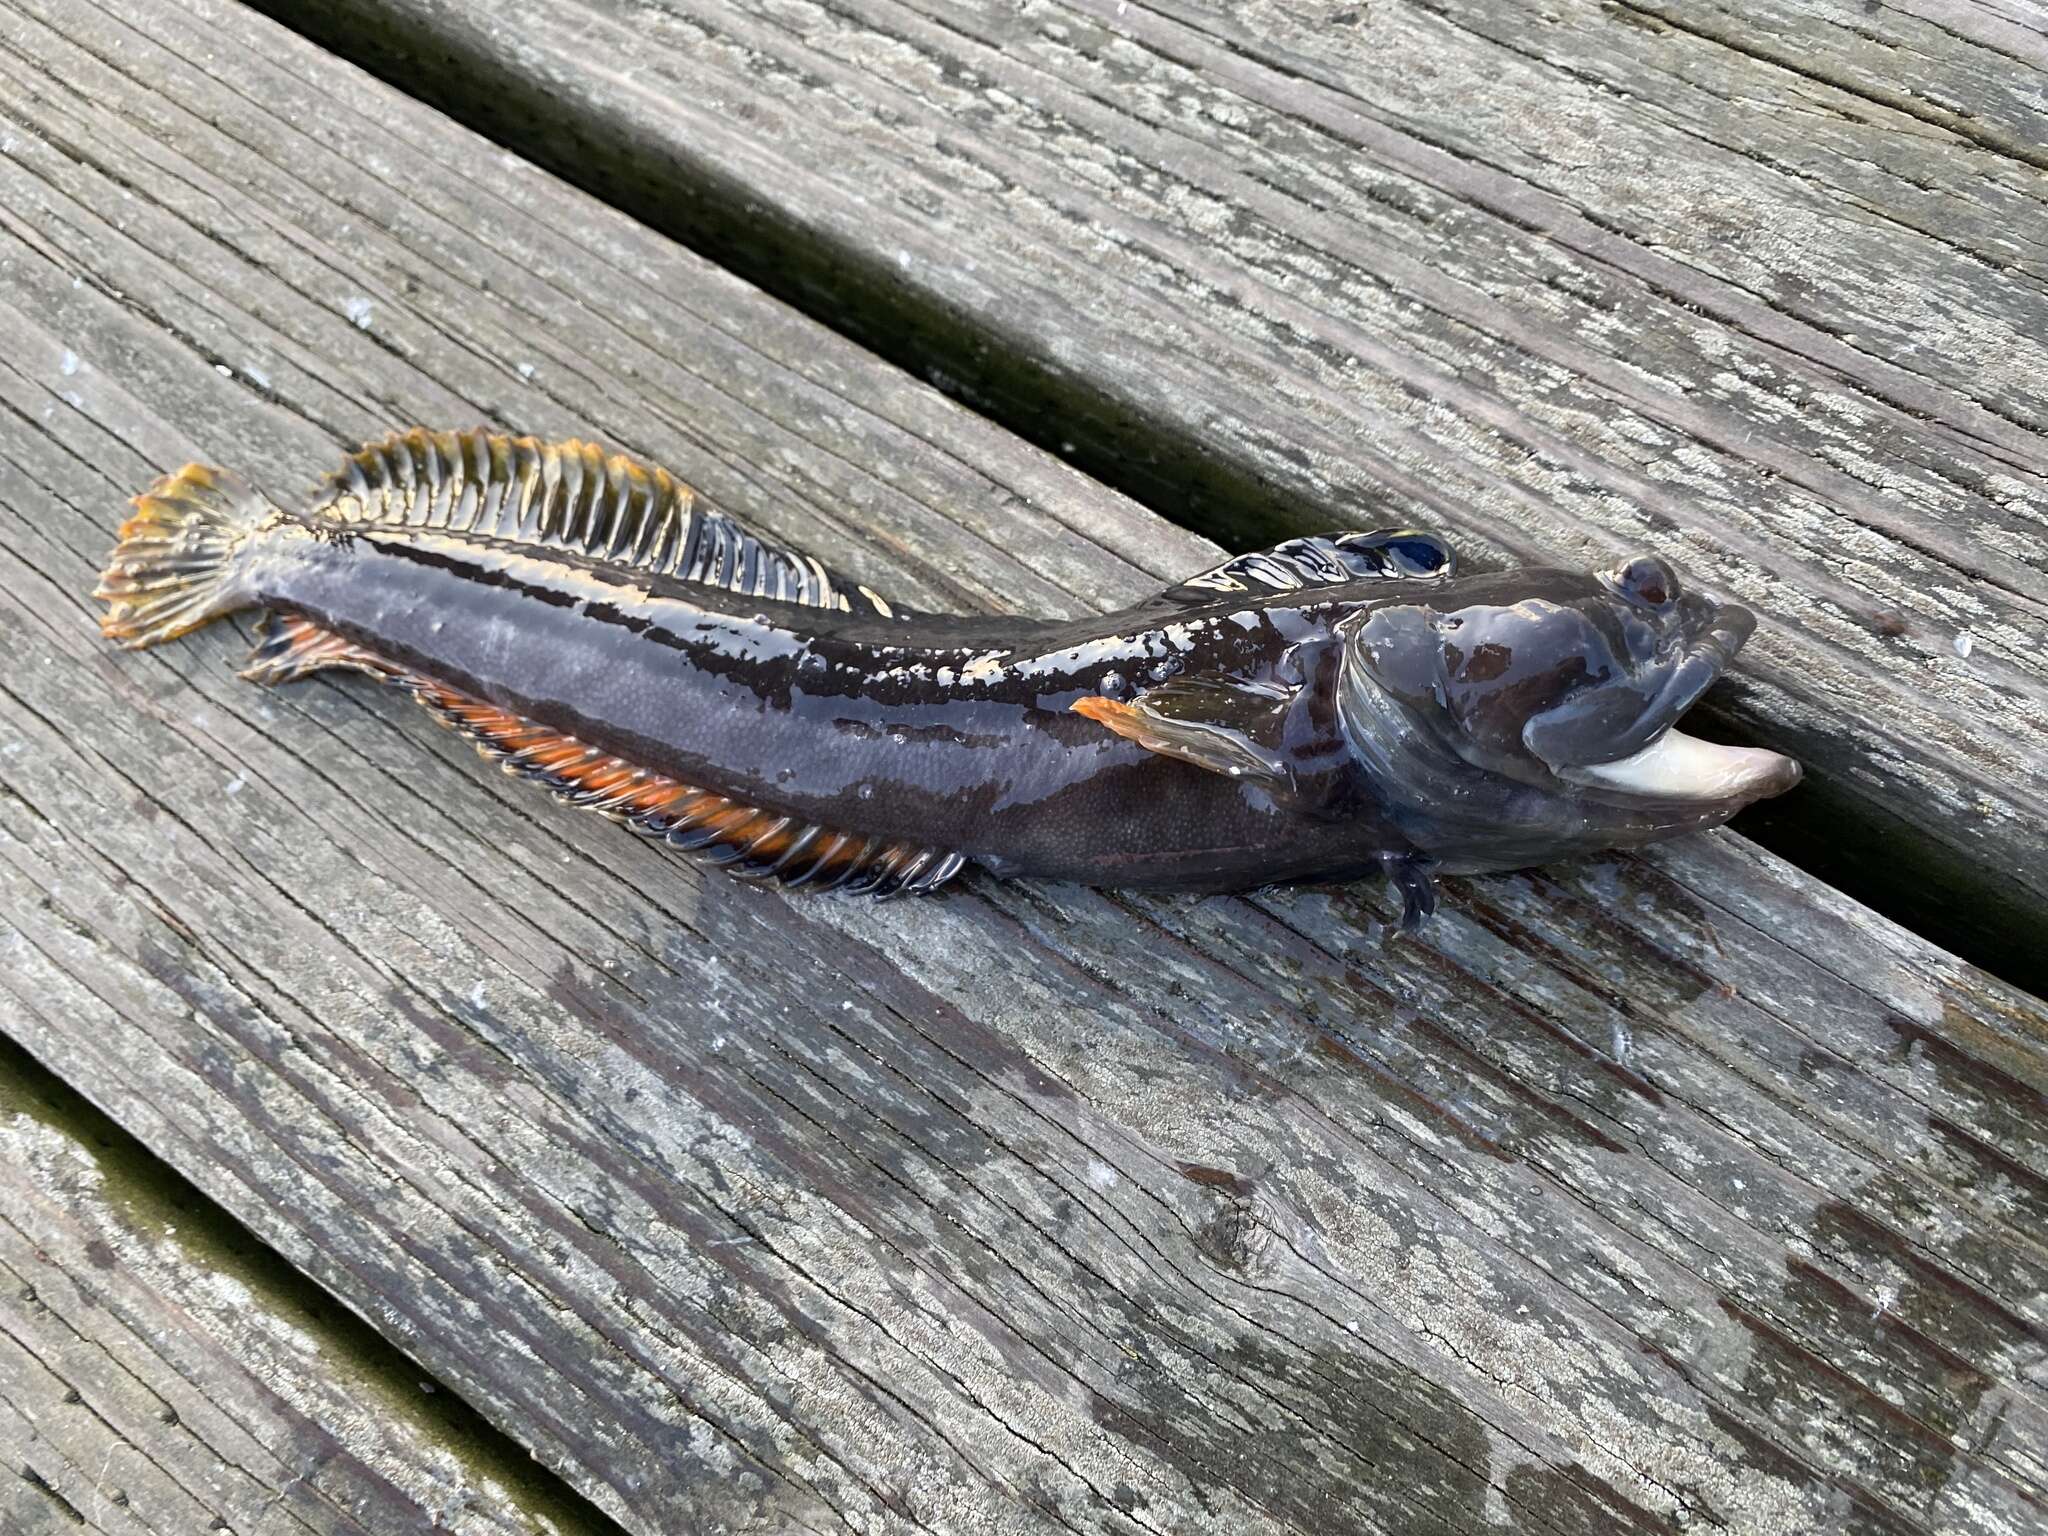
1679, 767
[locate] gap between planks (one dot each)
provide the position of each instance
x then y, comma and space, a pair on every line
166, 1370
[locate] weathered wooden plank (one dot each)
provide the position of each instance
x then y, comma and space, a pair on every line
1969, 67
1653, 1191
158, 1376
1758, 286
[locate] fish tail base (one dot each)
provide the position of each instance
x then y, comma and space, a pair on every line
177, 563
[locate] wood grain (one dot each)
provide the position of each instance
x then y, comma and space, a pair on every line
1646, 1194
158, 1373
1758, 287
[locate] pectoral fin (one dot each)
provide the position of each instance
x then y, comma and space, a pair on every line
1226, 727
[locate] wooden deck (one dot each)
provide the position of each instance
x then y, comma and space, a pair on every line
384, 1148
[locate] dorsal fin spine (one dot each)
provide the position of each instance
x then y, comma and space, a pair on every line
657, 537
1326, 560
568, 504
461, 488
555, 472
452, 482
517, 498
561, 506
427, 473
405, 480
494, 469
470, 494
620, 527
588, 518
607, 503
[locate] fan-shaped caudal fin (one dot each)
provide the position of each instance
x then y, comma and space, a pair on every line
178, 561
745, 840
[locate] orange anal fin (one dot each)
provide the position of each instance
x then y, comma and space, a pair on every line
290, 645
745, 840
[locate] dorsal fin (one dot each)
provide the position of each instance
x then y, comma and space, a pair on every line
1325, 560
575, 498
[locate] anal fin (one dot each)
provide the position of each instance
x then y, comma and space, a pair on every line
288, 646
745, 840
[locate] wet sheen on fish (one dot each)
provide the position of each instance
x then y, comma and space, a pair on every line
1328, 709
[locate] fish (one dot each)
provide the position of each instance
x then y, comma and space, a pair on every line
1334, 708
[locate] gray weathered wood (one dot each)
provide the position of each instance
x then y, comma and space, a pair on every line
1971, 68
1759, 287
153, 1378
1651, 1192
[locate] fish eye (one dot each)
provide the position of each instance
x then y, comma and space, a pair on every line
1647, 580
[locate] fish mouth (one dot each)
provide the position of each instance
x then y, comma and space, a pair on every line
1680, 767
1650, 758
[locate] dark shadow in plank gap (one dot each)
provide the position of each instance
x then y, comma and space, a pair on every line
156, 1196
1863, 848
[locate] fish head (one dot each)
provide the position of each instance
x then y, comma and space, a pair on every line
1547, 701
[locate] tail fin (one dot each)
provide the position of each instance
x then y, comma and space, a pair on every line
176, 564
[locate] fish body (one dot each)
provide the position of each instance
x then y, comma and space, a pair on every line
1324, 710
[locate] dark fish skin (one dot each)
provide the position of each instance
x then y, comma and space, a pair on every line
1326, 709
950, 731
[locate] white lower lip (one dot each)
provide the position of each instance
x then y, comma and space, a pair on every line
1680, 767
